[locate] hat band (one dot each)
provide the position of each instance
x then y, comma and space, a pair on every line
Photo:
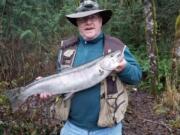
86, 9
87, 6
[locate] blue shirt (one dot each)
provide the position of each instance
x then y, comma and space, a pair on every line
85, 105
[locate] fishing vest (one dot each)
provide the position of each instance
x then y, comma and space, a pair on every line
114, 98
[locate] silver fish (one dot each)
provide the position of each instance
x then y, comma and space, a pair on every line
69, 81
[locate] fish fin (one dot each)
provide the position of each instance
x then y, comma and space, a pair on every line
68, 95
14, 98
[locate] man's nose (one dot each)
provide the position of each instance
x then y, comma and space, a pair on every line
88, 20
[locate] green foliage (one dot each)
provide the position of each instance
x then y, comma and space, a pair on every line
43, 18
28, 34
128, 24
31, 31
37, 26
167, 13
2, 3
3, 100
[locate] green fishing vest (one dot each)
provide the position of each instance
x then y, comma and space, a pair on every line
114, 98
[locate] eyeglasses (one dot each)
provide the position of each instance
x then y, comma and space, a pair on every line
91, 18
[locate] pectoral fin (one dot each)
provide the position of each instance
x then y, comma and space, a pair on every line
69, 95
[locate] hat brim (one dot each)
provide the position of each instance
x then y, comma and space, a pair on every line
105, 14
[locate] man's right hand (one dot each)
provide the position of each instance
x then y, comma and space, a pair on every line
43, 95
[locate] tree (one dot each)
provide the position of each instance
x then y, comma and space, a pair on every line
151, 30
176, 57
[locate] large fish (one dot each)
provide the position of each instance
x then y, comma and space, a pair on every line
69, 81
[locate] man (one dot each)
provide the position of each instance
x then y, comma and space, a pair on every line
99, 109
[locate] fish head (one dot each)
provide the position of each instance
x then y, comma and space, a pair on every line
112, 60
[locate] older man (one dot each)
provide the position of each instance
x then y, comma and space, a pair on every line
100, 109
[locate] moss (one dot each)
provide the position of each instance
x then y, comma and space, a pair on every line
177, 28
3, 100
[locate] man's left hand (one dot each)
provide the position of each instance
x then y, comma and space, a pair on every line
121, 66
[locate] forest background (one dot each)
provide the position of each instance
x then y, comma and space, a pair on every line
30, 35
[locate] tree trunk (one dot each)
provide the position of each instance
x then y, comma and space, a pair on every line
151, 28
176, 57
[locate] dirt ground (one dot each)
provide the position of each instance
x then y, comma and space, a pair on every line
140, 118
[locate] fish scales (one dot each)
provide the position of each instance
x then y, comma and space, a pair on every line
69, 81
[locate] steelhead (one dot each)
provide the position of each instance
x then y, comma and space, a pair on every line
69, 81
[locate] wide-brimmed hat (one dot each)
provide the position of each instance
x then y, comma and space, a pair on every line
87, 8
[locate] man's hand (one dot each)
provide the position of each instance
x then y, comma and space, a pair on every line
121, 66
43, 95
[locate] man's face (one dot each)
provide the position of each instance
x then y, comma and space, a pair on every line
90, 26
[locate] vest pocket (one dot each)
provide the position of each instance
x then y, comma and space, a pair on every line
105, 116
111, 85
113, 104
62, 108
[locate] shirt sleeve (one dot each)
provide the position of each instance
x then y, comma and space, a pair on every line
132, 72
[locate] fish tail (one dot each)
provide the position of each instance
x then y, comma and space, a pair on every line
14, 98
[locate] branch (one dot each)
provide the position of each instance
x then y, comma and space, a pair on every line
159, 123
